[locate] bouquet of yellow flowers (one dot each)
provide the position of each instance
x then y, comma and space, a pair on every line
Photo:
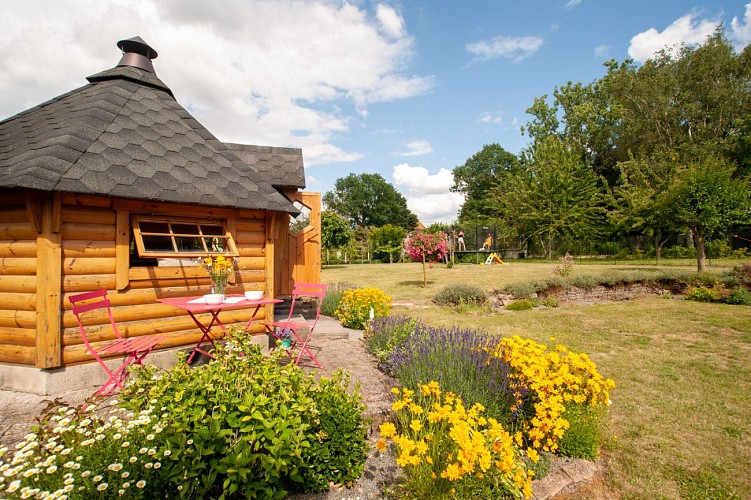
219, 268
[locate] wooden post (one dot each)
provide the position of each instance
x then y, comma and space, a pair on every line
122, 250
269, 247
49, 283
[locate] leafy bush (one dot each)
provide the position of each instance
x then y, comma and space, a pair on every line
383, 334
338, 448
333, 297
471, 307
550, 302
523, 289
584, 435
242, 425
703, 294
740, 296
521, 305
565, 265
740, 253
679, 252
355, 306
458, 360
450, 451
717, 249
454, 294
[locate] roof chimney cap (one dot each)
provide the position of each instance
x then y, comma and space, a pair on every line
137, 53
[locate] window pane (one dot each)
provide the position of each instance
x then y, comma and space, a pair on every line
188, 244
182, 228
216, 244
153, 227
212, 230
158, 244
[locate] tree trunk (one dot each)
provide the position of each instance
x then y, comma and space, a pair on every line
701, 255
424, 273
327, 256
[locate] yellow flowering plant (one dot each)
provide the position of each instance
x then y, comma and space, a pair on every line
448, 450
219, 268
354, 309
556, 378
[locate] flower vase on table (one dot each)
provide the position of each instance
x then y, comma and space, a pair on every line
219, 268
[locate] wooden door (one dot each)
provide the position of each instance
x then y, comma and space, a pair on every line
298, 254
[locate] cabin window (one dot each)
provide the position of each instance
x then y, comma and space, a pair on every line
168, 237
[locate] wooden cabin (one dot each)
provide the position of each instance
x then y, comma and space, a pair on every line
115, 186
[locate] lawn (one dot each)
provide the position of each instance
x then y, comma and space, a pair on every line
679, 425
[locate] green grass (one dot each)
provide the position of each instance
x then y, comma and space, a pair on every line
679, 425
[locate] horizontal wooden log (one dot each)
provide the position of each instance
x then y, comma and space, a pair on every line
15, 231
88, 215
18, 336
174, 209
90, 248
251, 225
244, 213
18, 301
14, 214
18, 319
252, 250
18, 265
249, 238
79, 231
18, 284
88, 265
86, 200
20, 248
84, 283
17, 354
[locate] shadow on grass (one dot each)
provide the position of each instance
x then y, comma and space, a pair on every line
415, 283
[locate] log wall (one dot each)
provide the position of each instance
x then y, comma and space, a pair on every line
93, 255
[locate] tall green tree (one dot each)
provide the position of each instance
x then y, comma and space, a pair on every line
388, 239
368, 200
555, 196
708, 200
483, 173
335, 232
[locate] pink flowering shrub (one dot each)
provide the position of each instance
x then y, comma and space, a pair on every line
424, 247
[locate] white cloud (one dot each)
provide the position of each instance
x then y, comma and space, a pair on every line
391, 22
514, 48
602, 51
742, 29
489, 117
418, 180
313, 181
418, 147
436, 207
271, 73
687, 29
571, 4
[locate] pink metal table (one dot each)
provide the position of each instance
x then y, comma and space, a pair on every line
196, 305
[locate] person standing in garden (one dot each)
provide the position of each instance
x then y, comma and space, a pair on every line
488, 243
460, 242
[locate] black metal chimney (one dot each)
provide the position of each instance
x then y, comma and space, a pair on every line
137, 53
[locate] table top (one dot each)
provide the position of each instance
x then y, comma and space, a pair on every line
197, 304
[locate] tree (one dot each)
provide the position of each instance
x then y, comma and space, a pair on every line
334, 231
641, 202
368, 200
707, 199
555, 196
388, 239
422, 246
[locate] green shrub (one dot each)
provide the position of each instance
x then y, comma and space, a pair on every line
338, 446
585, 281
356, 305
384, 334
550, 302
740, 296
241, 425
717, 249
740, 253
583, 437
521, 305
469, 306
679, 252
333, 297
524, 289
455, 293
703, 279
703, 294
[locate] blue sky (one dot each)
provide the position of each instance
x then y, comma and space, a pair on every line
405, 89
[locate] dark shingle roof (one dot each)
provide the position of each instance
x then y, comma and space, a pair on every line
125, 135
280, 167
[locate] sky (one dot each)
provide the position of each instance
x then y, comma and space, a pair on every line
405, 89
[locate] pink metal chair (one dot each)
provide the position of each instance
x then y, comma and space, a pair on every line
134, 349
295, 335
